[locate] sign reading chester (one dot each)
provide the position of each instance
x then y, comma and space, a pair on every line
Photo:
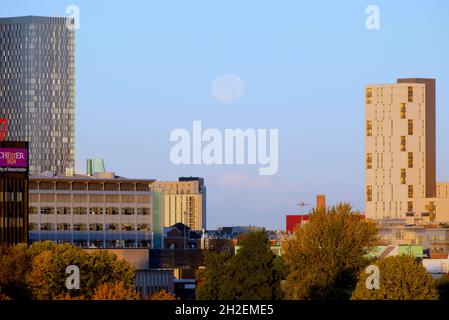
13, 160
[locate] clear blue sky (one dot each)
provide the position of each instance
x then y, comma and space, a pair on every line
144, 68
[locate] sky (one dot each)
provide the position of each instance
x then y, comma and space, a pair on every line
146, 68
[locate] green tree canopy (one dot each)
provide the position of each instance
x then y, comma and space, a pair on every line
401, 278
252, 274
210, 279
38, 271
324, 257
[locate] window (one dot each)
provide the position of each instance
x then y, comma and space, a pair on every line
112, 211
127, 227
369, 128
143, 211
403, 111
410, 159
143, 227
47, 210
369, 161
410, 191
399, 235
369, 193
369, 95
79, 227
63, 210
80, 210
63, 226
32, 226
32, 210
96, 227
403, 144
410, 94
128, 211
403, 176
410, 206
410, 127
112, 227
96, 211
47, 226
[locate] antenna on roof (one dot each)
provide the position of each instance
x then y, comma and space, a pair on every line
301, 205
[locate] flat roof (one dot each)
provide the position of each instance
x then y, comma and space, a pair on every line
32, 19
86, 178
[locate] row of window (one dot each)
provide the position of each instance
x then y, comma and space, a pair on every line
88, 227
369, 194
369, 95
92, 211
11, 196
369, 160
369, 128
101, 243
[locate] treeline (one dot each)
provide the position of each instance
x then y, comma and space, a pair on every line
38, 271
326, 259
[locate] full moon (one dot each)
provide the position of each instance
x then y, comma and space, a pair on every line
228, 88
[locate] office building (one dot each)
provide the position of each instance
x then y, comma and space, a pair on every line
13, 193
400, 154
202, 191
37, 88
104, 210
182, 201
90, 211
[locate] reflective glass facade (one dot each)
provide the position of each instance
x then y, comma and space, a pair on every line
37, 88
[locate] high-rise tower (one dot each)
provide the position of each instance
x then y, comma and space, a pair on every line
37, 88
400, 148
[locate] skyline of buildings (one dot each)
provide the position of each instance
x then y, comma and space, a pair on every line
338, 119
37, 88
28, 40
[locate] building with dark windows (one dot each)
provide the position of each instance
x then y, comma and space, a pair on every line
13, 193
202, 191
37, 88
101, 211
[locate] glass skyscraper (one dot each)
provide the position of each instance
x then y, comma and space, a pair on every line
37, 88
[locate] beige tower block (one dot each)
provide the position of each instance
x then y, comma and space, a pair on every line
400, 152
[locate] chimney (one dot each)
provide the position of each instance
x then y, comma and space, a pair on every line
321, 202
89, 168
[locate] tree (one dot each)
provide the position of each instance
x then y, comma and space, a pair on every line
105, 267
15, 262
442, 286
38, 271
251, 274
325, 256
43, 277
401, 278
47, 276
210, 279
162, 295
114, 291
